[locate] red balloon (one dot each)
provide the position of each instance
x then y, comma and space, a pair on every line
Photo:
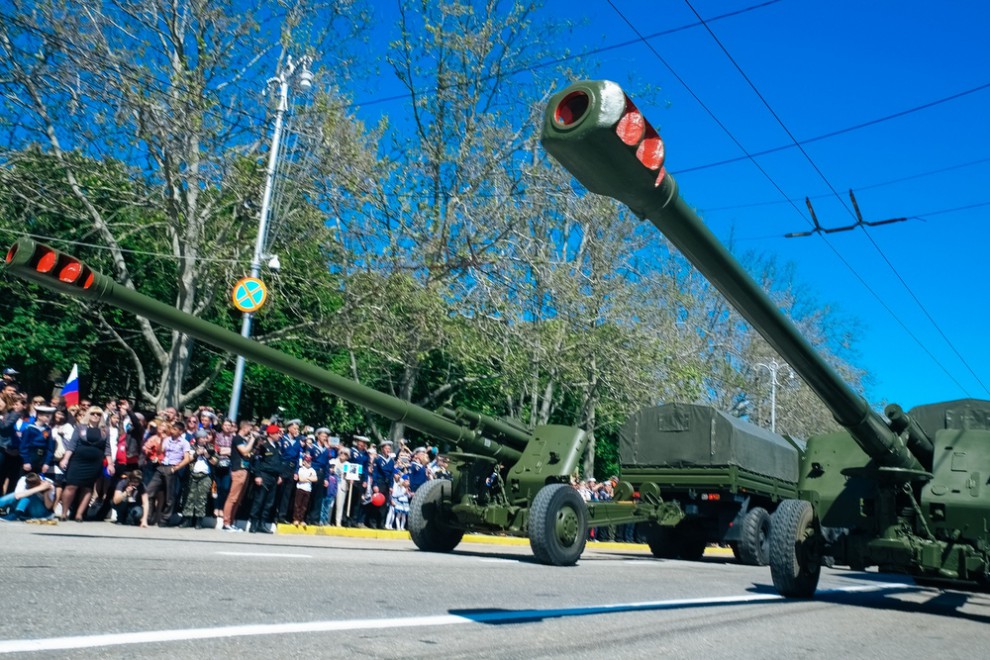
378, 499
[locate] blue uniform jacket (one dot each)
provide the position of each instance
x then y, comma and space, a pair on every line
37, 438
289, 451
417, 476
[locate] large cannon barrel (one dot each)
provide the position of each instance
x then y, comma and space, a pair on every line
60, 272
595, 131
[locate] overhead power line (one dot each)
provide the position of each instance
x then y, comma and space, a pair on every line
752, 159
821, 174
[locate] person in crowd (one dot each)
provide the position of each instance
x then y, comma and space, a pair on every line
102, 503
399, 508
37, 444
372, 515
320, 453
441, 469
130, 437
176, 455
383, 468
330, 486
85, 454
179, 488
222, 444
267, 468
200, 482
207, 419
10, 376
337, 465
130, 500
305, 478
62, 430
33, 499
290, 447
154, 476
242, 446
10, 457
359, 457
419, 474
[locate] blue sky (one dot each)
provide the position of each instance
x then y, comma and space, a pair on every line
918, 287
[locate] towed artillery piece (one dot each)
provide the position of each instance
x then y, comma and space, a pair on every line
504, 478
906, 492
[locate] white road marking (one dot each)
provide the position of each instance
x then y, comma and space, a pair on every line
265, 554
309, 627
498, 561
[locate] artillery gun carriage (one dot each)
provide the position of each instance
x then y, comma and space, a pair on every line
907, 492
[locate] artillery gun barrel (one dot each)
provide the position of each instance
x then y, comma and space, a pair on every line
598, 134
60, 272
498, 429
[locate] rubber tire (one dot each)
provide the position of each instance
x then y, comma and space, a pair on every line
691, 543
662, 542
555, 504
427, 525
793, 565
754, 542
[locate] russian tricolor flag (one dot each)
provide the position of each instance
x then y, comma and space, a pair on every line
70, 391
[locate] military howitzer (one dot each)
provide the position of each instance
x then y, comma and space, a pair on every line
534, 468
909, 494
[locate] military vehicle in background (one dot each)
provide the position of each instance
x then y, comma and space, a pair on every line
726, 475
907, 492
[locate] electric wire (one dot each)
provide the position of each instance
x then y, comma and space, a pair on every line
842, 201
838, 255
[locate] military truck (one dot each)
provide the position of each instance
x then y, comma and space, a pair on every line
726, 474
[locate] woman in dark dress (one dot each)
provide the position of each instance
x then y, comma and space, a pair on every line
83, 461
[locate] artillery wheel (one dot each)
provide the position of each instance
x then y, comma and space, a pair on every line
795, 564
661, 541
558, 525
754, 542
428, 524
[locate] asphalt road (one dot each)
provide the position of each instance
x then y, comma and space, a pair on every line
100, 590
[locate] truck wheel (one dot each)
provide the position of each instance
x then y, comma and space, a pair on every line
795, 563
691, 543
754, 542
428, 524
558, 525
661, 541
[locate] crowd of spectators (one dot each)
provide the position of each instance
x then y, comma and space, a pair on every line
197, 469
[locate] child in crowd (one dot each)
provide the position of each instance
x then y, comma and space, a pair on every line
400, 502
305, 478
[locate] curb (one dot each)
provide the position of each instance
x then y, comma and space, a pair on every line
362, 533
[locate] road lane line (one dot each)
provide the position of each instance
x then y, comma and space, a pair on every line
264, 554
480, 616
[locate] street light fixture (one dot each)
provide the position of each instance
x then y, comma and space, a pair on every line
774, 367
292, 72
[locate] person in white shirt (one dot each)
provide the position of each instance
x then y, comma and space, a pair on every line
33, 499
305, 478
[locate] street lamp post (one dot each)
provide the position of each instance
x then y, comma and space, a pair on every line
291, 71
774, 367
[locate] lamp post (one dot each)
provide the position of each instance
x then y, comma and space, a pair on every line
292, 71
774, 367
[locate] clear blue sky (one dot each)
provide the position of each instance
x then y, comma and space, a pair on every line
822, 68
